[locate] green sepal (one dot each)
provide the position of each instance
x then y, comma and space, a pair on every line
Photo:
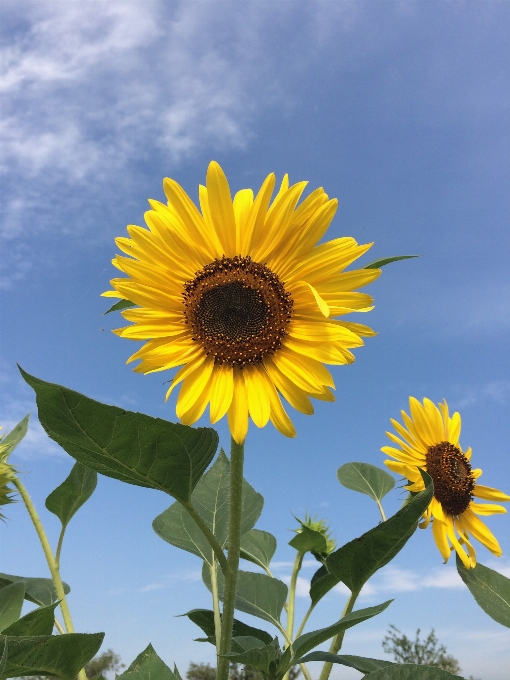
365, 478
258, 547
148, 666
118, 306
74, 491
60, 655
356, 561
490, 589
37, 622
128, 446
308, 540
360, 663
210, 499
409, 671
377, 264
256, 594
204, 619
40, 591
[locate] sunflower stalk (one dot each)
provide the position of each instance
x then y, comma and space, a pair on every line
234, 550
216, 603
336, 644
52, 563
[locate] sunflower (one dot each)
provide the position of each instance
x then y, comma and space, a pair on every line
431, 442
239, 295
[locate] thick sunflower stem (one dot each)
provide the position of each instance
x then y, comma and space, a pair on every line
234, 549
336, 644
52, 564
216, 605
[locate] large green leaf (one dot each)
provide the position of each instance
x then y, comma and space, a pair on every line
305, 643
204, 619
257, 594
322, 582
11, 440
368, 479
490, 589
128, 446
377, 264
40, 591
309, 540
258, 547
37, 622
360, 663
148, 666
263, 657
11, 602
409, 671
355, 562
211, 499
62, 655
74, 491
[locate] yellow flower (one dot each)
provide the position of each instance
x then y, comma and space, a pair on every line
240, 296
431, 442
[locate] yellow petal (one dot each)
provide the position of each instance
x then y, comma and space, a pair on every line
487, 508
243, 202
238, 411
222, 391
481, 532
184, 372
220, 204
257, 393
490, 494
198, 407
257, 216
296, 397
440, 538
192, 387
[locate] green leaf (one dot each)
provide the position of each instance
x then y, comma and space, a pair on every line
128, 446
211, 499
121, 304
409, 671
322, 582
490, 589
258, 547
360, 663
37, 590
308, 540
257, 594
11, 602
204, 619
148, 666
11, 440
261, 657
62, 655
367, 479
37, 622
377, 264
304, 644
72, 493
355, 562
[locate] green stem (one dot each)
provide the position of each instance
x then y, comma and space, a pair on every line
336, 644
292, 594
59, 547
305, 619
306, 672
234, 549
211, 538
52, 564
381, 510
216, 603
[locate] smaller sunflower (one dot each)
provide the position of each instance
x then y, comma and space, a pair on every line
431, 442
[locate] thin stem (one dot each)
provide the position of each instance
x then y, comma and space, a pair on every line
379, 505
58, 626
292, 593
216, 603
305, 619
211, 538
55, 574
306, 672
59, 547
234, 549
336, 643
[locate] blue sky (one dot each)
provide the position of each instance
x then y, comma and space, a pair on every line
399, 109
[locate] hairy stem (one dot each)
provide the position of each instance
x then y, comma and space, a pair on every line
211, 538
234, 549
379, 505
336, 644
305, 619
216, 604
52, 564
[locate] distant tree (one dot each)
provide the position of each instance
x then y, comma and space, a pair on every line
427, 652
107, 662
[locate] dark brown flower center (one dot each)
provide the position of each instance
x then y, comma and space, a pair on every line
238, 310
453, 480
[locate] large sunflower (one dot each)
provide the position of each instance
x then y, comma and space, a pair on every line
431, 442
242, 299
